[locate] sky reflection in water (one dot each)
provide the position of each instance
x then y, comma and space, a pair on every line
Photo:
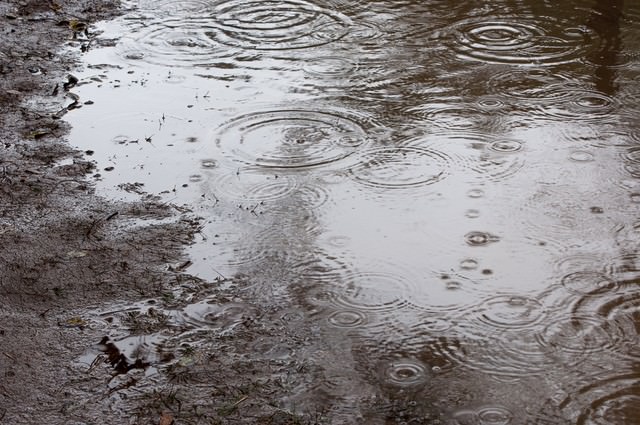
449, 189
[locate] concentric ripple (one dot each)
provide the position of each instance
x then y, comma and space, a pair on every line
611, 400
510, 312
252, 186
531, 84
487, 415
516, 353
624, 311
631, 160
581, 104
505, 146
347, 318
522, 41
290, 139
404, 372
480, 157
278, 24
330, 66
172, 7
588, 283
447, 294
620, 407
401, 167
175, 41
374, 291
580, 334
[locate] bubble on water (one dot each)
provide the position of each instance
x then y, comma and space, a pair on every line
477, 238
208, 163
469, 264
472, 213
475, 193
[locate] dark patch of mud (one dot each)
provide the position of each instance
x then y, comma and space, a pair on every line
63, 249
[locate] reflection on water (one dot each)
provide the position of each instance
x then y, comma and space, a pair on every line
444, 193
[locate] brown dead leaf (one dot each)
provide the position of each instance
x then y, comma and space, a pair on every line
166, 419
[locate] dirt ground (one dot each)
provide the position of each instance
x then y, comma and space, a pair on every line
63, 249
66, 251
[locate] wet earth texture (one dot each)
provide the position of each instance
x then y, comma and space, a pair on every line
429, 209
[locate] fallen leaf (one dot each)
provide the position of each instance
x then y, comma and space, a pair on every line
166, 419
76, 254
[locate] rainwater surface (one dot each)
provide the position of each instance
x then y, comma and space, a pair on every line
448, 191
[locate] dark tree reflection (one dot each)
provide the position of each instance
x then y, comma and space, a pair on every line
605, 21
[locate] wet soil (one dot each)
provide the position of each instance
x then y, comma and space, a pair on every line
67, 252
65, 249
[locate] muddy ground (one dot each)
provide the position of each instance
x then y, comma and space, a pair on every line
66, 252
72, 263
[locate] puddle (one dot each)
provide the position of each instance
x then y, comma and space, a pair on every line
416, 182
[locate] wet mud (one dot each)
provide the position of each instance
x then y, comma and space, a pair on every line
393, 212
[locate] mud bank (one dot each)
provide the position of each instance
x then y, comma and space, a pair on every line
64, 249
77, 269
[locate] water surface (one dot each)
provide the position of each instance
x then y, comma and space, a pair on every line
448, 190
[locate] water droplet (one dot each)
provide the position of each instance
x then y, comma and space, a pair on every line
475, 193
453, 285
472, 213
469, 264
505, 146
581, 156
480, 238
208, 163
